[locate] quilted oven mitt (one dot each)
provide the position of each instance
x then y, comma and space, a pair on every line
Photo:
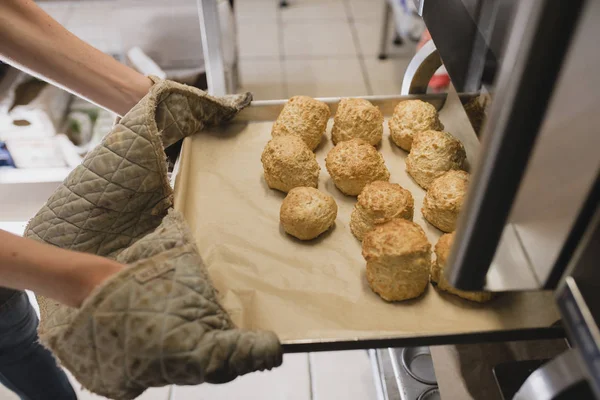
157, 322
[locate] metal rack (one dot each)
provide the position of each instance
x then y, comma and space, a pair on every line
212, 49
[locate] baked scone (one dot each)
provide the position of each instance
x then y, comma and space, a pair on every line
476, 111
353, 164
289, 163
433, 153
306, 212
444, 200
357, 118
442, 250
378, 203
398, 259
304, 117
410, 117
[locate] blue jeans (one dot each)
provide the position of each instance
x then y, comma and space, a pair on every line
26, 367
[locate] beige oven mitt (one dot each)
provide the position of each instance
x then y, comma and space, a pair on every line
157, 322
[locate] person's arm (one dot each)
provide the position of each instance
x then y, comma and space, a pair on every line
32, 41
63, 275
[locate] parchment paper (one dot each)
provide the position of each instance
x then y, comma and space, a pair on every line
317, 289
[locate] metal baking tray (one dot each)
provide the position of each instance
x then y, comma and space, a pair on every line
314, 295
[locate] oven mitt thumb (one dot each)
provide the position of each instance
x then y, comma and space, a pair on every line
157, 322
183, 110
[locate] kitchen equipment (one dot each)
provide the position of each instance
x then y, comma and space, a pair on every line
417, 362
314, 296
430, 394
529, 222
526, 76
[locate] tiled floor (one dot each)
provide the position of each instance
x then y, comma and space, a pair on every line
313, 47
291, 381
314, 376
82, 394
318, 48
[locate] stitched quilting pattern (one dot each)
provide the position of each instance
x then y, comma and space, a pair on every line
159, 321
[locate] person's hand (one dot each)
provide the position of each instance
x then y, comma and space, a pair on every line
161, 310
85, 278
66, 276
33, 41
183, 110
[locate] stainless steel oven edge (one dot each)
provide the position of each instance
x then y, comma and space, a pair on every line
539, 154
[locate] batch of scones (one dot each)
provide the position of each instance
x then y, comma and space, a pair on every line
396, 250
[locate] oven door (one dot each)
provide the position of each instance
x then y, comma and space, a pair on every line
532, 192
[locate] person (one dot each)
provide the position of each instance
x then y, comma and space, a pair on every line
34, 42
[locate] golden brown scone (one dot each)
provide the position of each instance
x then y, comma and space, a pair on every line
476, 111
378, 203
289, 163
410, 117
398, 260
444, 200
353, 164
306, 212
357, 118
442, 250
432, 154
304, 117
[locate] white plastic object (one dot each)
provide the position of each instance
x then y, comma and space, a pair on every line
143, 63
408, 23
